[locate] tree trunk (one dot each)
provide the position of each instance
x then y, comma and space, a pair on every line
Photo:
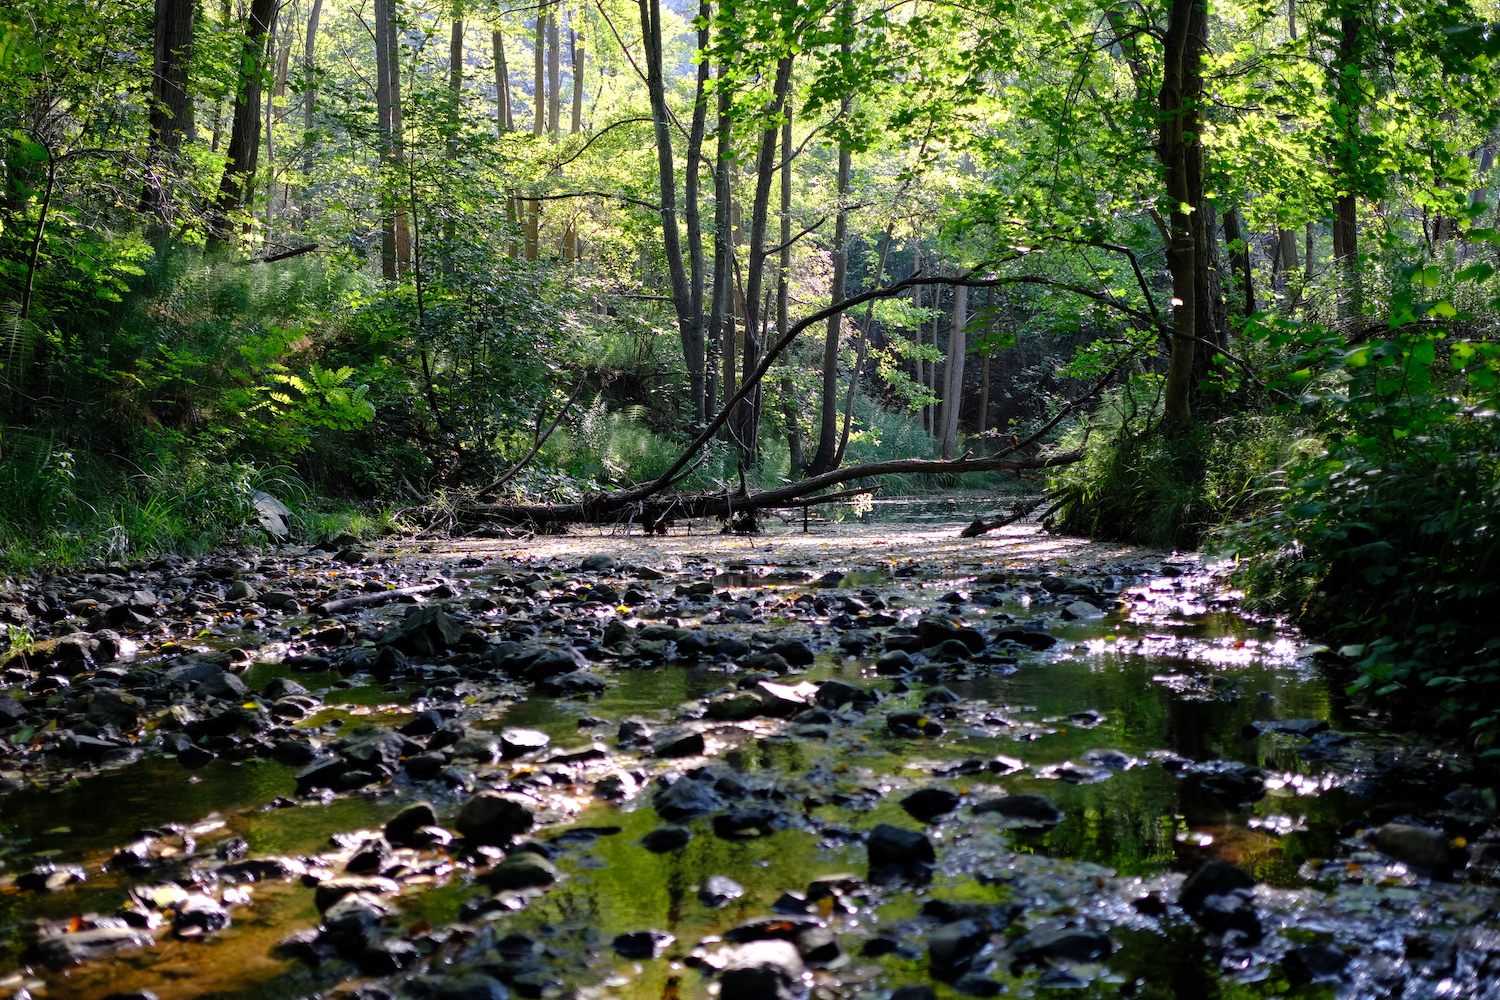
309, 105
235, 190
828, 425
554, 77
171, 107
746, 427
1177, 148
984, 370
1239, 257
455, 108
793, 428
580, 57
721, 312
688, 328
692, 218
1348, 98
533, 208
503, 120
953, 383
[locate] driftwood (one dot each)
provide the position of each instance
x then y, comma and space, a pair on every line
1018, 510
653, 514
368, 600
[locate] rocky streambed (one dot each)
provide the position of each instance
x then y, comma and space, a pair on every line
872, 761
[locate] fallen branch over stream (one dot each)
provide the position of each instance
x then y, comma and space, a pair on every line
653, 514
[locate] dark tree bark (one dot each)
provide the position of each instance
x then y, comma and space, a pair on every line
698, 375
1182, 162
1348, 99
503, 121
721, 310
309, 104
1239, 258
237, 186
171, 105
746, 426
688, 328
953, 371
554, 77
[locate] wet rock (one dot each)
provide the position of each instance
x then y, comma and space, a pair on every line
578, 683
11, 710
717, 891
927, 804
642, 944
110, 708
893, 662
425, 631
461, 986
1219, 897
949, 651
1081, 611
677, 743
914, 992
495, 818
782, 701
1424, 848
522, 870
1234, 783
912, 724
1290, 727
1314, 963
63, 950
191, 674
939, 696
895, 853
403, 828
834, 694
199, 915
953, 947
1114, 760
666, 838
515, 742
793, 651
1030, 638
747, 824
734, 706
350, 924
239, 590
598, 563
819, 947
1027, 811
761, 970
222, 685
686, 799
770, 663
481, 747
330, 891
1060, 947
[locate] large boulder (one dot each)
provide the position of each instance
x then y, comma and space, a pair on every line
495, 818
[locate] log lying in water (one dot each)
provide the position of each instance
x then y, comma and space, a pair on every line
654, 513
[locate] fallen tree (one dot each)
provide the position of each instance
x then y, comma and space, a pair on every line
646, 505
654, 514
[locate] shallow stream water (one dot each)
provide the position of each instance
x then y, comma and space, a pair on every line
1126, 722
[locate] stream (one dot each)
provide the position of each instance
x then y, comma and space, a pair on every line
872, 760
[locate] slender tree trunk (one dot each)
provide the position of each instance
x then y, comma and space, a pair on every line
828, 429
721, 314
309, 105
984, 370
400, 230
554, 77
533, 212
1176, 143
793, 427
860, 347
692, 217
953, 386
455, 109
746, 427
1239, 257
1290, 265
1348, 98
244, 135
580, 57
503, 122
171, 107
688, 328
